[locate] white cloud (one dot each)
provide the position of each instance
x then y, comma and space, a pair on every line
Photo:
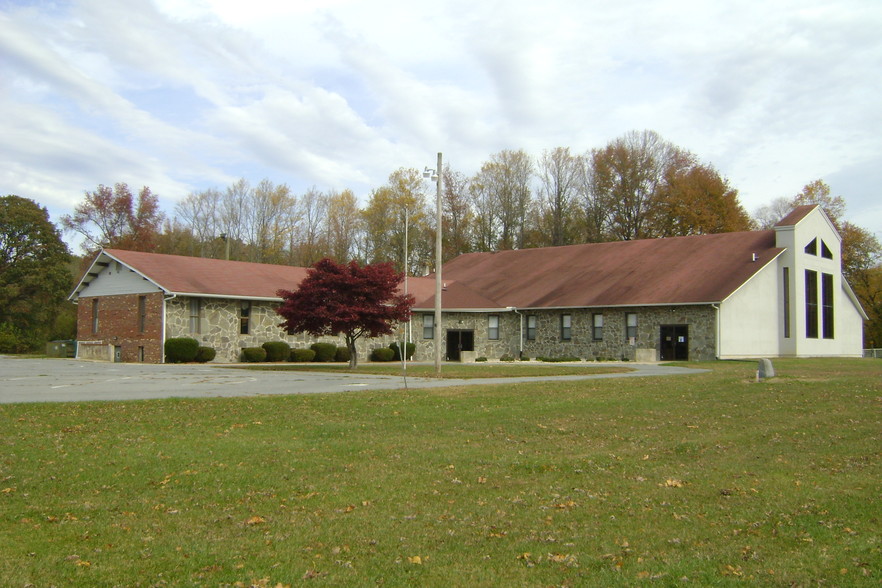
183, 95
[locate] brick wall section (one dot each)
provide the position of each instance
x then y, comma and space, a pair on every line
119, 325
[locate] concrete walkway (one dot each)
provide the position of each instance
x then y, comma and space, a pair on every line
69, 380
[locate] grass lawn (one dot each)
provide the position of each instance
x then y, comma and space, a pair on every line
708, 479
450, 370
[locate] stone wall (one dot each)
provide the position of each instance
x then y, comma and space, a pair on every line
613, 345
219, 328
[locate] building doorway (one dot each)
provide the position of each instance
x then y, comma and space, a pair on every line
459, 341
674, 343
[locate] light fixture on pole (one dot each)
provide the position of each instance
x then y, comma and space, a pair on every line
435, 174
404, 341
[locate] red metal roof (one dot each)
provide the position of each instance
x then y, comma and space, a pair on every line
213, 277
675, 270
796, 215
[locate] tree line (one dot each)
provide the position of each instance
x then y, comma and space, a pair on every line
637, 186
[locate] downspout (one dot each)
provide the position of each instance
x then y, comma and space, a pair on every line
164, 314
717, 308
521, 338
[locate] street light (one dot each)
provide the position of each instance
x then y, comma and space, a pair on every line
404, 335
435, 174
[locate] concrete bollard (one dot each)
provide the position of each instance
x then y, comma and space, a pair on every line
765, 369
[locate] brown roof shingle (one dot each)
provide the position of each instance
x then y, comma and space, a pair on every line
212, 277
676, 270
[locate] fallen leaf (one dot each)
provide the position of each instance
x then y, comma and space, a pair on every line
255, 520
415, 560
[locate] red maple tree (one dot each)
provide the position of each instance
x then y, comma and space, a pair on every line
346, 299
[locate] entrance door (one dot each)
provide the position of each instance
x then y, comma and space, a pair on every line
674, 343
459, 341
117, 354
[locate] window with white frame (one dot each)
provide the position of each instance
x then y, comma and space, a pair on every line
493, 327
631, 326
531, 327
195, 313
597, 321
428, 326
566, 327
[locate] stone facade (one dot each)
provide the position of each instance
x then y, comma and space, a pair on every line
128, 327
548, 342
219, 325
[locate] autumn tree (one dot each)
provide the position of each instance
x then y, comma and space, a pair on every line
309, 240
113, 217
346, 299
34, 274
457, 216
559, 172
628, 175
384, 221
200, 213
696, 200
343, 226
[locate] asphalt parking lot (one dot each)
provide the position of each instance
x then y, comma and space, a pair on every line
71, 380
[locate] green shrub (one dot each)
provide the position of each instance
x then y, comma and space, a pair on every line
12, 340
558, 359
506, 358
396, 348
181, 349
382, 354
277, 350
253, 354
302, 355
324, 351
480, 359
205, 354
342, 355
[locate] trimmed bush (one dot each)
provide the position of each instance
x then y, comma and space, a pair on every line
324, 351
277, 350
506, 358
181, 349
342, 355
253, 354
205, 354
480, 359
564, 359
382, 354
302, 355
411, 348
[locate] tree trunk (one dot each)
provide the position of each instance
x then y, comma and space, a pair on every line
353, 352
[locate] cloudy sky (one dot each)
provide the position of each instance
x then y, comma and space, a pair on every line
183, 95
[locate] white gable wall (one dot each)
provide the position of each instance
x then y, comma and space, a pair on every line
117, 278
749, 318
848, 326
